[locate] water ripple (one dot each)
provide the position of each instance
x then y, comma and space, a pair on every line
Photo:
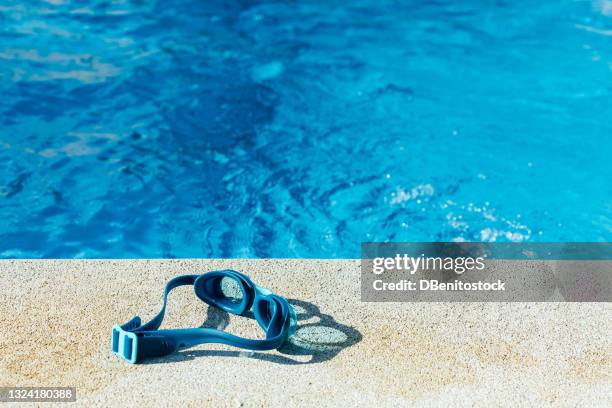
208, 129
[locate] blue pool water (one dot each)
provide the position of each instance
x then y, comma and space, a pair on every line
300, 129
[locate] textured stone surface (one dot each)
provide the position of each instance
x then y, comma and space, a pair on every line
56, 316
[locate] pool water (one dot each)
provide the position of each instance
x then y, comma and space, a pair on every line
301, 129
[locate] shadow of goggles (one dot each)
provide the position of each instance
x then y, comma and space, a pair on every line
134, 341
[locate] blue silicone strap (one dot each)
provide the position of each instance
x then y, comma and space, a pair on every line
135, 341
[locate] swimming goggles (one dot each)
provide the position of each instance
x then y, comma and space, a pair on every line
134, 341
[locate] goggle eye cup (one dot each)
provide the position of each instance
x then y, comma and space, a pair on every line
226, 290
293, 321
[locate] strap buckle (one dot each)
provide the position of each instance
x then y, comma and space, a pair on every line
133, 345
125, 343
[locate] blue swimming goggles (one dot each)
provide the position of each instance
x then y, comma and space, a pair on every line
135, 341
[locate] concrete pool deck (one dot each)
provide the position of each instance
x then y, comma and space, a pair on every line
56, 318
